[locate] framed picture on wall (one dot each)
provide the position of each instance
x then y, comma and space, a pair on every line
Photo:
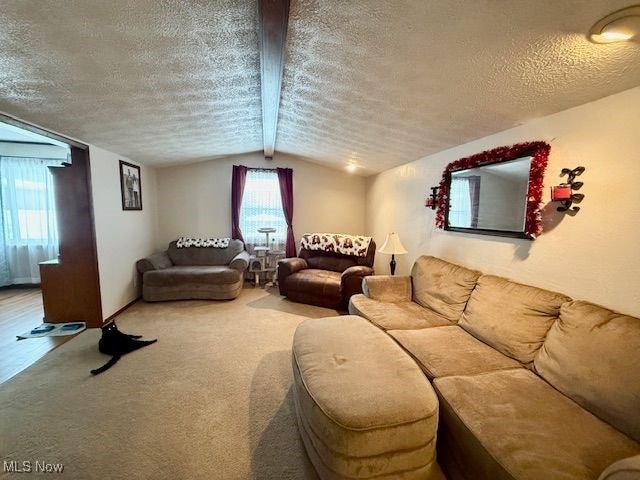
130, 186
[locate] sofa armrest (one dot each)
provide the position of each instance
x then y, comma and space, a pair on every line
625, 469
240, 262
157, 261
387, 288
287, 267
351, 282
356, 271
292, 265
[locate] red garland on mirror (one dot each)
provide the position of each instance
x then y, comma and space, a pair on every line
540, 153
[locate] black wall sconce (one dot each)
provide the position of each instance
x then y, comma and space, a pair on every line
432, 199
564, 192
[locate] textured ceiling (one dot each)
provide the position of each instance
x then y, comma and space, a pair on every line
378, 82
387, 82
157, 81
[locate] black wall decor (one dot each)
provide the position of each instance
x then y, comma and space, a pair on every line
571, 182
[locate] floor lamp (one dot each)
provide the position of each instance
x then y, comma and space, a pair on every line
393, 247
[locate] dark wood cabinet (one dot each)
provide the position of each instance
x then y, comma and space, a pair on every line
70, 284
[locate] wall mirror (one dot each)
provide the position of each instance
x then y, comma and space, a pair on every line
497, 192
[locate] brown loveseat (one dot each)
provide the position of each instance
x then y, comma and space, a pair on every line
531, 385
325, 279
194, 273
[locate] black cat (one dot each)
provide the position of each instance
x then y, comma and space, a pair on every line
116, 343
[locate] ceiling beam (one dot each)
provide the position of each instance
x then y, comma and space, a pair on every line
273, 18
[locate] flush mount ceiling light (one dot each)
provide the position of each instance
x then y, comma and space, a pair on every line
620, 26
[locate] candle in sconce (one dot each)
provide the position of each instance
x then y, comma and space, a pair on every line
561, 192
428, 202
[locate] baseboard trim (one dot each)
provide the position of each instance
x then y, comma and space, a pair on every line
111, 317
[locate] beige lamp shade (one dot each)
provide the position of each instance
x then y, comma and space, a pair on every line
392, 245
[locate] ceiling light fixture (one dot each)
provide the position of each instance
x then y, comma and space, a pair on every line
351, 168
620, 26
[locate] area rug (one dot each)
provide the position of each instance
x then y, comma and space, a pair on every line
211, 400
54, 330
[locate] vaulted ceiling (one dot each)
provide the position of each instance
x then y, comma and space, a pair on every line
376, 82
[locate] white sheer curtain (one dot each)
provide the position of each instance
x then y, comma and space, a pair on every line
262, 207
29, 232
460, 203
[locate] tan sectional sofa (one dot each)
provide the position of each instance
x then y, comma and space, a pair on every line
531, 384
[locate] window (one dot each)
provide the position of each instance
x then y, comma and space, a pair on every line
262, 207
28, 229
28, 204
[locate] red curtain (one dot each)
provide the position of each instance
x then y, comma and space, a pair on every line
285, 177
474, 194
238, 178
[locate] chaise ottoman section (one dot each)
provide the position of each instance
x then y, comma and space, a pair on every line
364, 408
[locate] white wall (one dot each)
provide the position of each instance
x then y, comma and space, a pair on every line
593, 255
122, 237
195, 199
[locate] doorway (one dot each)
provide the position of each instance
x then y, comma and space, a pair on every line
48, 259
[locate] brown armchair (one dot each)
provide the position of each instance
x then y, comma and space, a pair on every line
324, 279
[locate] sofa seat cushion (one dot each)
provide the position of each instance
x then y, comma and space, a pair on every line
592, 355
395, 316
511, 317
180, 275
442, 287
321, 282
445, 351
512, 424
365, 410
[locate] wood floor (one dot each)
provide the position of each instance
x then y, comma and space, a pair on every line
20, 311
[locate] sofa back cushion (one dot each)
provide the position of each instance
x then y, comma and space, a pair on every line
442, 286
204, 255
336, 262
592, 355
511, 317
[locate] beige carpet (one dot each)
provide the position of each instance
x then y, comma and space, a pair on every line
211, 400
